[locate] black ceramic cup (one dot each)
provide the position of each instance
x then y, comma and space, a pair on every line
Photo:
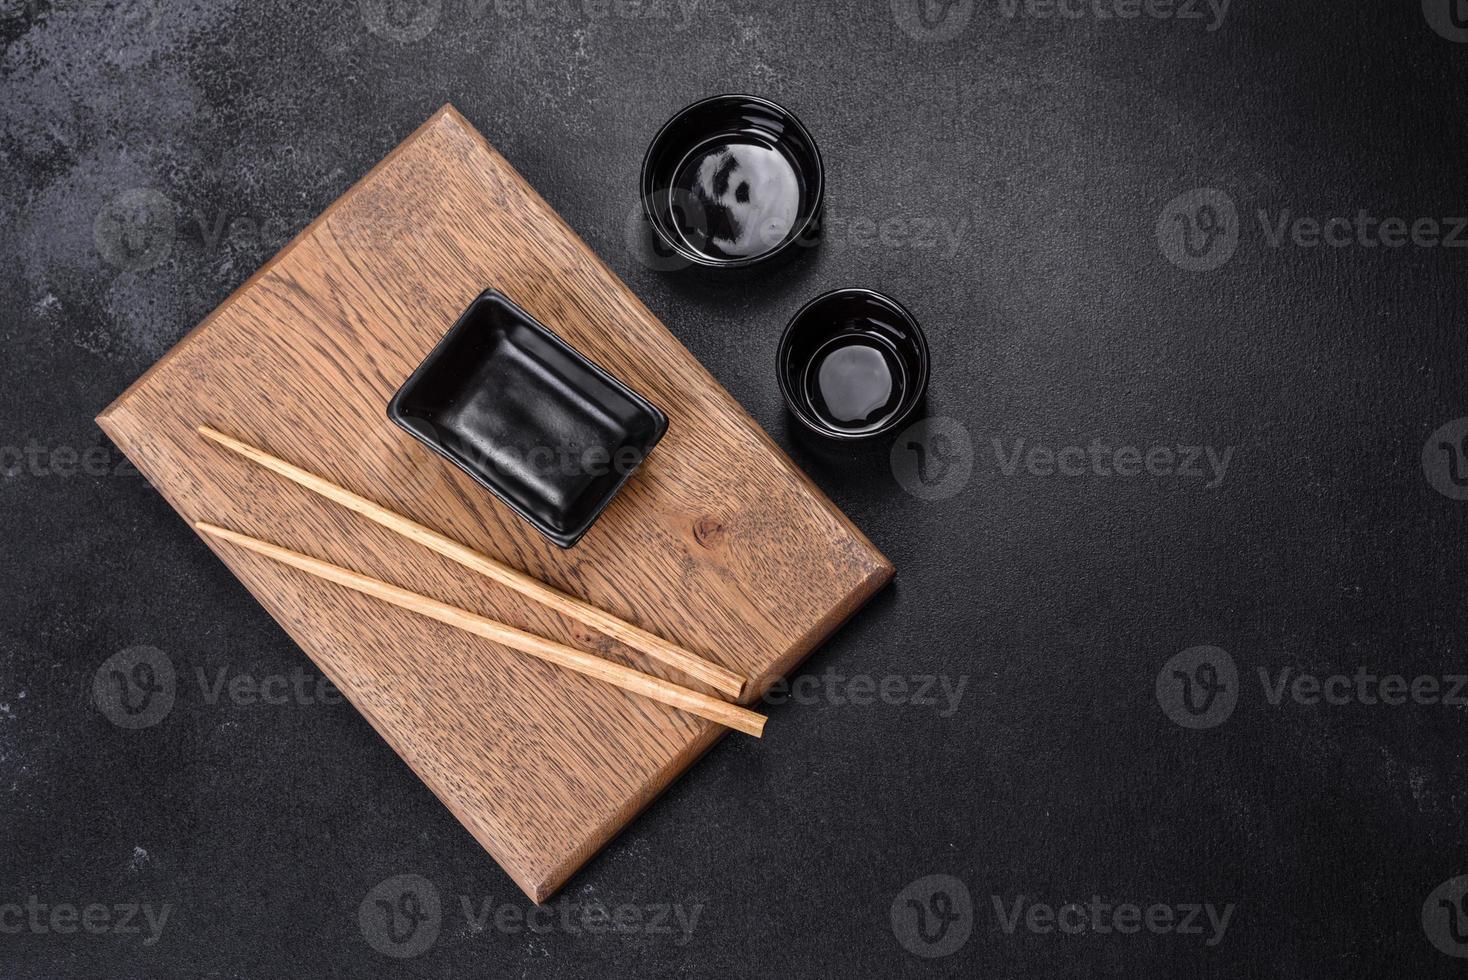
732, 181
853, 364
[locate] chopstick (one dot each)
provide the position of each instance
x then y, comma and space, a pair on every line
703, 705
719, 678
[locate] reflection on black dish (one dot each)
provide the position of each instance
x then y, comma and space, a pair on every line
855, 382
735, 200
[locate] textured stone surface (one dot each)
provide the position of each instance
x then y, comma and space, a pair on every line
1011, 184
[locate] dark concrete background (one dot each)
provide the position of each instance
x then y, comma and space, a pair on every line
1051, 147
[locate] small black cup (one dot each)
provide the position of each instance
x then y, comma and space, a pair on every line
853, 364
732, 181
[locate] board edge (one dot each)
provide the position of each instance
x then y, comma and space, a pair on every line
445, 111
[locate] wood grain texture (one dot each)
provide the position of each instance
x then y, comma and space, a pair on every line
715, 675
718, 543
629, 679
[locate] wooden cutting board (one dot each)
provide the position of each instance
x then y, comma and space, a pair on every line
718, 542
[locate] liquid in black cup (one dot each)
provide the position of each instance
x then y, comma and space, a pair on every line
855, 382
733, 180
742, 197
853, 364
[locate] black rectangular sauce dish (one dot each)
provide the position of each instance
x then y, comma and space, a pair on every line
527, 416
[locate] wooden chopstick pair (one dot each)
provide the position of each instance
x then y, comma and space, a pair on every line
730, 715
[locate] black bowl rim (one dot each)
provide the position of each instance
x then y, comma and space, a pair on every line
919, 389
707, 261
562, 539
